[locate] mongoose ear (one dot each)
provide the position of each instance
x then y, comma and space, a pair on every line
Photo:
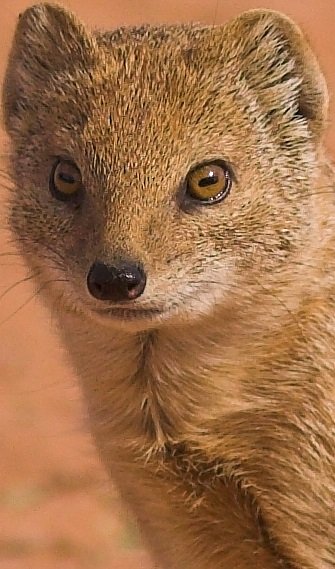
276, 61
48, 41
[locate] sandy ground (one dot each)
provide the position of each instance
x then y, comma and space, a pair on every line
56, 507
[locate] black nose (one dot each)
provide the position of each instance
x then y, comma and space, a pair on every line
116, 282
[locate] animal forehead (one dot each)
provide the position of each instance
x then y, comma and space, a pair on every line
144, 128
162, 73
144, 90
168, 60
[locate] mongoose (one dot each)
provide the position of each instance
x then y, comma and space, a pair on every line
172, 194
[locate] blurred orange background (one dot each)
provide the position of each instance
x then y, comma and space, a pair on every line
56, 507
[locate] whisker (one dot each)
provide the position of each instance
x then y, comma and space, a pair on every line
5, 174
6, 187
323, 193
10, 254
56, 253
267, 290
58, 257
14, 240
323, 190
23, 305
22, 265
303, 264
16, 284
26, 302
279, 300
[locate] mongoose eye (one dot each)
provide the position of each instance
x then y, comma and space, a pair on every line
209, 183
65, 180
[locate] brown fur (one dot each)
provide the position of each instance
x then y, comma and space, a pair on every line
216, 420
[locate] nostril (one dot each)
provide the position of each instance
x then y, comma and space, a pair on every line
131, 277
99, 280
115, 282
97, 286
135, 283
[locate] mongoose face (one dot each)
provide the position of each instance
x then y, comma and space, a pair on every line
179, 161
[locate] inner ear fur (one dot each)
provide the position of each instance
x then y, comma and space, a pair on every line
48, 41
277, 62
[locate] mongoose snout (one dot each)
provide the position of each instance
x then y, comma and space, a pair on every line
117, 282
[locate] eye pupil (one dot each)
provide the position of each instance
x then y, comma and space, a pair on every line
66, 178
208, 180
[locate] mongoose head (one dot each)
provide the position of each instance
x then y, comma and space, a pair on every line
159, 172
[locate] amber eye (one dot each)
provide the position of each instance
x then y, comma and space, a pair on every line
65, 180
209, 183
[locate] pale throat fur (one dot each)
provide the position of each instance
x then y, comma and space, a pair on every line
232, 328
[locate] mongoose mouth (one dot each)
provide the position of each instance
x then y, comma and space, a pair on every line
129, 313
